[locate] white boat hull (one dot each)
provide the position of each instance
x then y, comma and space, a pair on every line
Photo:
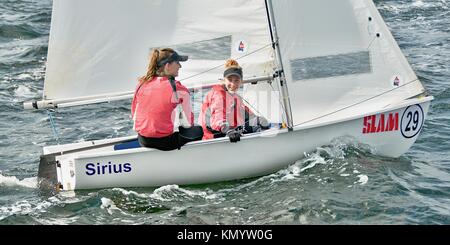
390, 132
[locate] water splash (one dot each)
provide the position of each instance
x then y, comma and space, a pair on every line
24, 207
22, 92
173, 192
109, 205
362, 179
13, 181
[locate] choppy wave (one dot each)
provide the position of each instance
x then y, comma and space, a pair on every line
18, 32
13, 181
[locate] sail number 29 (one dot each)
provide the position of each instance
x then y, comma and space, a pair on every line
412, 121
415, 121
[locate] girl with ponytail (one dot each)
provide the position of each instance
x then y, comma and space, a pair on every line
157, 98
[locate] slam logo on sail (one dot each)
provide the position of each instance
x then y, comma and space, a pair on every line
109, 168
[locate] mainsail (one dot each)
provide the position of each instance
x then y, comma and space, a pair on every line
101, 47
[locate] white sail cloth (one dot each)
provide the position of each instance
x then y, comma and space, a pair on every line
337, 54
101, 47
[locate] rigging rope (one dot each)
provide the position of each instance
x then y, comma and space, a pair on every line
279, 101
53, 126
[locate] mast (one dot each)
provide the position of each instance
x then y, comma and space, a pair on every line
280, 76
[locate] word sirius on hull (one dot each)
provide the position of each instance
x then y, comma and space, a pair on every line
99, 169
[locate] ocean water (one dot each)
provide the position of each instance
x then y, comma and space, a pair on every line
338, 183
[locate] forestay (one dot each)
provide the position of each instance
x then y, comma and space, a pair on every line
101, 47
337, 54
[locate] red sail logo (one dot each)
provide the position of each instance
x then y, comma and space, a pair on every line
380, 123
396, 81
241, 46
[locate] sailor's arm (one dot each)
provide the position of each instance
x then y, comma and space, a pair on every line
218, 113
185, 99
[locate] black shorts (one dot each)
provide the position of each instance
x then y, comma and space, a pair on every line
173, 141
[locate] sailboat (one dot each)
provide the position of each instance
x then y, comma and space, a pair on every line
334, 72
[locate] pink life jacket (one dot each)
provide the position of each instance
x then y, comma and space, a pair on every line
153, 107
219, 109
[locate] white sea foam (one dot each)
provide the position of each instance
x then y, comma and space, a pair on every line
315, 159
59, 220
109, 205
171, 190
159, 192
23, 91
342, 170
23, 207
13, 181
362, 179
129, 193
24, 76
418, 4
296, 169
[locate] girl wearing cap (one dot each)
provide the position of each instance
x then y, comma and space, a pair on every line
223, 112
155, 99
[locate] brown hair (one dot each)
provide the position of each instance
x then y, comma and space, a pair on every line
232, 68
153, 70
232, 64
